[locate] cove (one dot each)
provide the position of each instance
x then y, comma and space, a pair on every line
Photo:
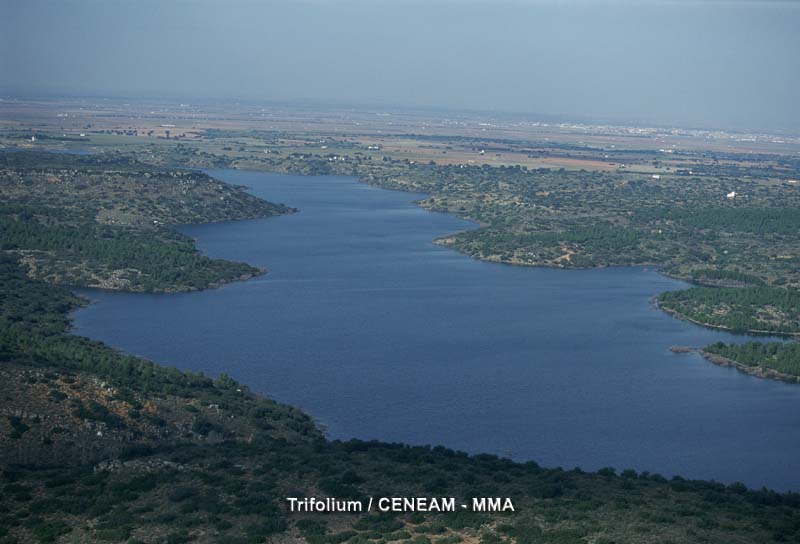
378, 333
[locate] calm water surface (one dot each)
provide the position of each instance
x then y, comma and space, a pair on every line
379, 334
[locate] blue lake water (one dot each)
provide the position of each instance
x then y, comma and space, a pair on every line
379, 334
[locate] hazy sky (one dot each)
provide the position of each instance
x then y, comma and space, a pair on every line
705, 63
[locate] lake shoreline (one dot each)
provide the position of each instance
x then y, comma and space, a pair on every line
748, 332
757, 371
450, 241
475, 306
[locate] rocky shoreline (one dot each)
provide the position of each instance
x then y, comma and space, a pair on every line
758, 371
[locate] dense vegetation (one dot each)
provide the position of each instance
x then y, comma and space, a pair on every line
86, 253
762, 221
98, 446
781, 357
95, 222
755, 309
722, 277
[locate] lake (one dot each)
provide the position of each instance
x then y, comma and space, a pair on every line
379, 334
